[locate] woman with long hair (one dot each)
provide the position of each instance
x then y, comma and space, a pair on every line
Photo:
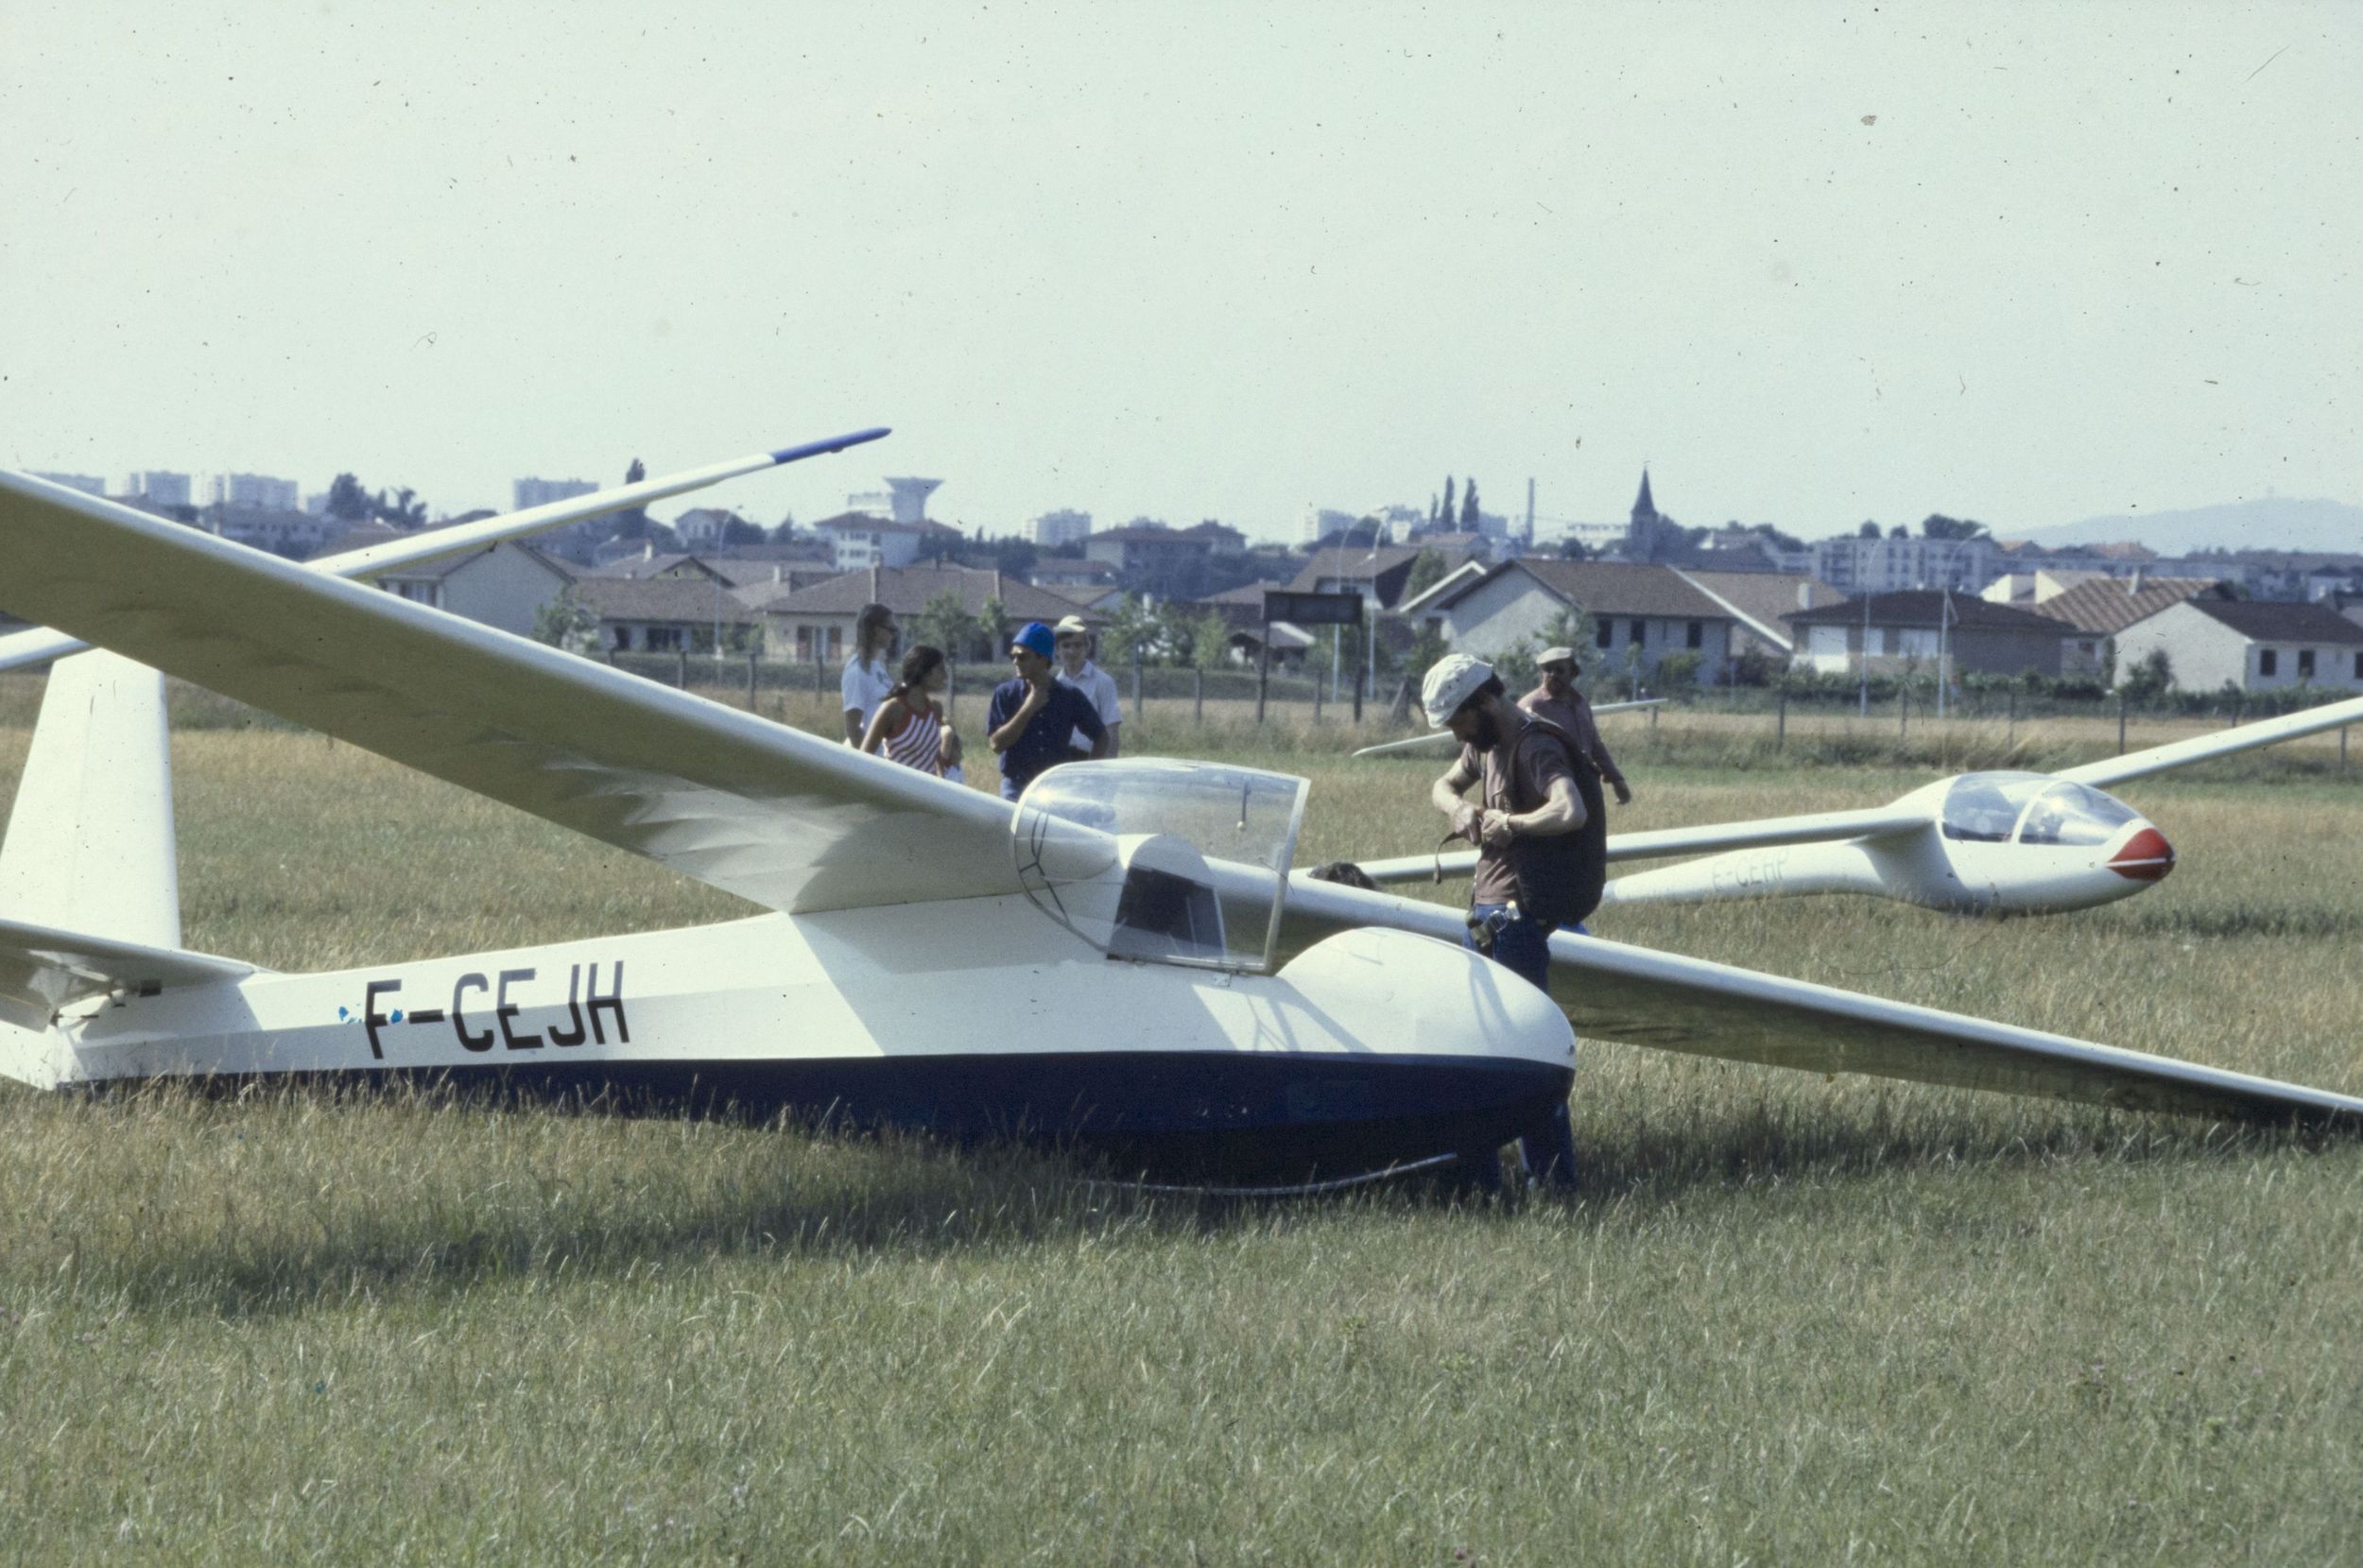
909, 726
866, 681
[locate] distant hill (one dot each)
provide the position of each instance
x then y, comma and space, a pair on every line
2276, 523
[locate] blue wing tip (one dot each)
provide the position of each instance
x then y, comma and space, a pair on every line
835, 443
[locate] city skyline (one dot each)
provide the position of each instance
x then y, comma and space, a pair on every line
1809, 266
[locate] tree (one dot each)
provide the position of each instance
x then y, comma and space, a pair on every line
1131, 629
785, 533
1868, 530
737, 530
944, 623
1427, 570
1209, 640
402, 511
1937, 526
1427, 646
1571, 548
1468, 508
1449, 513
567, 622
347, 500
993, 623
2151, 677
1899, 531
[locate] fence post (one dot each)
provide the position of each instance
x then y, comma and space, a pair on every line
1136, 681
951, 691
1197, 696
817, 666
1316, 700
1780, 724
1902, 712
680, 668
2120, 724
1263, 675
2342, 748
750, 681
1357, 696
2009, 733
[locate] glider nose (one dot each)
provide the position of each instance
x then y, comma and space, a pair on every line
2145, 857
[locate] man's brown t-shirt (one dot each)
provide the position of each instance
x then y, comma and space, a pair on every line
1538, 766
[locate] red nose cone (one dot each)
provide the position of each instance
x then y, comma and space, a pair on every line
2147, 857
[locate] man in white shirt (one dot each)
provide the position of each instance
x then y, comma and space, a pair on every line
1076, 669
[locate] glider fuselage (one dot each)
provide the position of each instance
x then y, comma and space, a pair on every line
973, 1019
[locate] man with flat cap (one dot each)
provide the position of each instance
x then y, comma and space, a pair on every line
1555, 698
1541, 833
1031, 718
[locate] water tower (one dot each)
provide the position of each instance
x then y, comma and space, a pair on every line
910, 498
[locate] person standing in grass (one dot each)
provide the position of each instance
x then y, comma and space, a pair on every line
1555, 698
867, 680
909, 726
1542, 849
1032, 719
1076, 669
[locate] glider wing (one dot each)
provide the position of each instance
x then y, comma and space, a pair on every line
2181, 754
1820, 827
41, 643
771, 814
1613, 991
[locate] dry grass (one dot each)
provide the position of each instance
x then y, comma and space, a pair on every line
1792, 1319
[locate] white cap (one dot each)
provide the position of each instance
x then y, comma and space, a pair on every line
1452, 680
1071, 627
1554, 656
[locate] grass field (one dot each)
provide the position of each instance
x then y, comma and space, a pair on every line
1791, 1320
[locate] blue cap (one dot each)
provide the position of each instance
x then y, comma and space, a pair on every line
1034, 637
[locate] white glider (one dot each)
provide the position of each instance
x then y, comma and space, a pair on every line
2001, 842
1119, 964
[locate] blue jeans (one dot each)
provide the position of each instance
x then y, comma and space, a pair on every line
1524, 948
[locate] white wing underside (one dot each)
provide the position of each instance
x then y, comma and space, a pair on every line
1820, 827
771, 814
801, 824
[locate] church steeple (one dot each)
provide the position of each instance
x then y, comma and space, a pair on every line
1641, 506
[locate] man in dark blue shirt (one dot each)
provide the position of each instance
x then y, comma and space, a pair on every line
1033, 719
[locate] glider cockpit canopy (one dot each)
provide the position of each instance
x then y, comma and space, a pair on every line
1167, 862
2031, 808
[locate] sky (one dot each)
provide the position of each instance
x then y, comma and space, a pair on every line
1811, 263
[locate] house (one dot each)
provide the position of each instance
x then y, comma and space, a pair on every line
1154, 557
1970, 634
818, 622
505, 585
651, 564
1640, 613
2256, 645
705, 527
1757, 602
667, 614
858, 541
1380, 576
1088, 582
2096, 606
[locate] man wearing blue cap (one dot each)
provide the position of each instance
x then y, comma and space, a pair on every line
1033, 719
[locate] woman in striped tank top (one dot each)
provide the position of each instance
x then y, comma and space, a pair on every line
910, 727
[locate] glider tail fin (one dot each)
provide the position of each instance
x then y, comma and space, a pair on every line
90, 845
